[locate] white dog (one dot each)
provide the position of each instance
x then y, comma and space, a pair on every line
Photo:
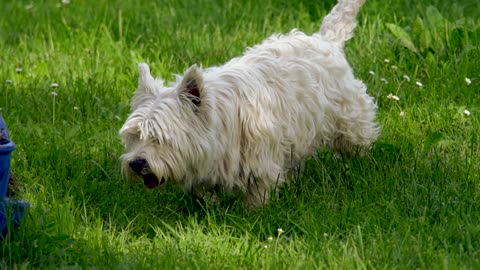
241, 126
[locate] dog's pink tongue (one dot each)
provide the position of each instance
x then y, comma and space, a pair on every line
150, 181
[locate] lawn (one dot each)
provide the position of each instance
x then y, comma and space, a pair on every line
68, 72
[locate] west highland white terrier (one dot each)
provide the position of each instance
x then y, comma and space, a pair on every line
242, 126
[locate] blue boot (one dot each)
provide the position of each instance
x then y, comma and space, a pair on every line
11, 211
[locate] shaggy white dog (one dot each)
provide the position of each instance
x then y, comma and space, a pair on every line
241, 126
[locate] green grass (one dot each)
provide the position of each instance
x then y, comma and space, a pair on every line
413, 202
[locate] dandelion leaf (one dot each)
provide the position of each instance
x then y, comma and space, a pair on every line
418, 26
422, 34
402, 36
437, 25
434, 18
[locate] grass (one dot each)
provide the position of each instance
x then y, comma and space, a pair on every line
413, 202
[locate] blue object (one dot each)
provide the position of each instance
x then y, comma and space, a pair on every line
11, 211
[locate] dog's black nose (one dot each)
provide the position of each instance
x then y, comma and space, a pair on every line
137, 165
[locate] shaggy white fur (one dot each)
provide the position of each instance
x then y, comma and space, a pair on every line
242, 126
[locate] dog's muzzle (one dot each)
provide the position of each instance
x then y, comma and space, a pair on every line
138, 165
150, 180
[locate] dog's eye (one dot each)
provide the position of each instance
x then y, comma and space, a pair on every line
132, 138
160, 140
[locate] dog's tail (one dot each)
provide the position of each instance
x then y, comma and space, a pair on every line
338, 25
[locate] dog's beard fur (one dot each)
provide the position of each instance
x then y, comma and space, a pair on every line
243, 125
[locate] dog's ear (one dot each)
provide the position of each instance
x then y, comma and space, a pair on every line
146, 83
147, 86
192, 85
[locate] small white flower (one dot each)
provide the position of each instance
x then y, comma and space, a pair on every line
466, 112
402, 114
394, 67
325, 234
386, 60
19, 70
280, 231
265, 246
419, 84
75, 108
54, 93
391, 96
54, 85
406, 78
468, 81
65, 2
270, 238
8, 81
384, 80
371, 72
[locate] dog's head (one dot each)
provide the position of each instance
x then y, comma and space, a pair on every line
166, 132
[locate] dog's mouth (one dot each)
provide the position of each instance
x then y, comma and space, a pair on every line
151, 181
